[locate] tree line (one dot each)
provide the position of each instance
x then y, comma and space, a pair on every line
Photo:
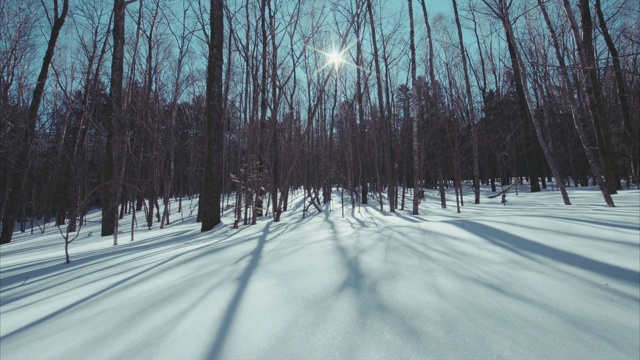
235, 104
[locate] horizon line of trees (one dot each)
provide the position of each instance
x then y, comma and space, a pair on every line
141, 101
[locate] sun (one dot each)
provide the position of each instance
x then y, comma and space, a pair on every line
335, 58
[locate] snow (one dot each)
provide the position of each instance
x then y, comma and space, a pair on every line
532, 279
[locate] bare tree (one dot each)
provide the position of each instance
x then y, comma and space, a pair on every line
414, 111
471, 114
183, 38
435, 87
623, 94
17, 26
501, 10
21, 168
211, 192
583, 38
382, 111
575, 112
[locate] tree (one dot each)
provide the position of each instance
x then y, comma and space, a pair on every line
17, 26
183, 40
115, 154
415, 111
382, 113
502, 12
21, 167
471, 112
623, 94
214, 129
583, 38
270, 124
579, 123
435, 90
93, 42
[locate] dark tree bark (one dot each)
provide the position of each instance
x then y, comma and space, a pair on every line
414, 113
586, 52
590, 152
114, 162
623, 92
502, 12
383, 115
183, 40
471, 114
210, 198
434, 86
359, 99
152, 119
18, 180
78, 189
275, 147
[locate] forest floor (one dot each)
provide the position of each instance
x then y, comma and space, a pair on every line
533, 279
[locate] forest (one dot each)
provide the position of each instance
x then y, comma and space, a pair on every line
127, 105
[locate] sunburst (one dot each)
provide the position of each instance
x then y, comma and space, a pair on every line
335, 58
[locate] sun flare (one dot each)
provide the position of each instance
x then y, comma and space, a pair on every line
335, 58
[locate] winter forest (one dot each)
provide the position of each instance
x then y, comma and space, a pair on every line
205, 127
136, 102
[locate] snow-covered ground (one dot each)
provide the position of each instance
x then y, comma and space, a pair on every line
532, 279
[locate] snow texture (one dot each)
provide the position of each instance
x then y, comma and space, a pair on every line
534, 279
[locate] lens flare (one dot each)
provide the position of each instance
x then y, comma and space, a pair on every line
335, 58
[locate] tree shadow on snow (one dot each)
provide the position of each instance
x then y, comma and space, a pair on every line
232, 309
121, 255
525, 247
61, 270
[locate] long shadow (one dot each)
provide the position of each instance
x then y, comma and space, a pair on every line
517, 244
592, 222
126, 265
364, 288
78, 257
232, 309
87, 298
111, 287
147, 248
166, 242
412, 218
6, 250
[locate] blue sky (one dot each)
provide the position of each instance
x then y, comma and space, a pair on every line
433, 6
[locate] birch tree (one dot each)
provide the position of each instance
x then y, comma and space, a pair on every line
501, 10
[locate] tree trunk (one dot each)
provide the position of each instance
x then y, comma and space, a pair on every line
383, 115
114, 162
588, 67
414, 113
471, 112
275, 147
17, 190
359, 99
210, 199
521, 77
623, 93
432, 79
575, 112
